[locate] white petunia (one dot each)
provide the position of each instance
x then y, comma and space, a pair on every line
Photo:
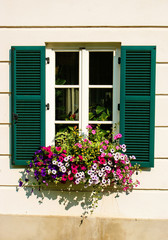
66, 159
63, 169
103, 181
49, 171
54, 171
60, 164
66, 164
54, 162
77, 181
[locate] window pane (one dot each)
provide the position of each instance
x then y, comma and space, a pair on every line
64, 127
67, 104
100, 104
67, 68
101, 68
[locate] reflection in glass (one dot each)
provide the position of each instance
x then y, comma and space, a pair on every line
65, 127
67, 68
100, 104
107, 128
67, 104
101, 68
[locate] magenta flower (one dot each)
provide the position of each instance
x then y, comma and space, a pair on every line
70, 177
106, 141
83, 168
110, 155
102, 161
80, 157
64, 178
74, 171
93, 132
58, 149
88, 126
104, 147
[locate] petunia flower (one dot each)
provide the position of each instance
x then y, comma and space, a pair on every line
93, 132
58, 149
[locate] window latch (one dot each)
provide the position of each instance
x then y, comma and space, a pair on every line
119, 107
15, 117
48, 106
47, 60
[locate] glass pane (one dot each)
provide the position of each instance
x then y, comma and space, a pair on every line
67, 68
67, 104
101, 68
100, 104
64, 127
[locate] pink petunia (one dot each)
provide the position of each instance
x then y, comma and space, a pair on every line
106, 141
85, 140
103, 155
117, 147
88, 126
93, 132
104, 147
110, 155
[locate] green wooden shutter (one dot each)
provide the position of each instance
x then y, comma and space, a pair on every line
28, 102
137, 102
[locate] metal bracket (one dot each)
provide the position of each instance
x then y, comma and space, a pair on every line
119, 107
15, 117
48, 106
119, 60
48, 60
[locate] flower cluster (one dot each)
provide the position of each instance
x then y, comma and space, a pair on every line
93, 161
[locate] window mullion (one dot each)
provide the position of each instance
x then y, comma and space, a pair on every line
84, 89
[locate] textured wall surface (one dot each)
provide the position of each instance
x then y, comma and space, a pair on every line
129, 22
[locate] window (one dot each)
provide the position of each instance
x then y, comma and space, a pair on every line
85, 88
35, 84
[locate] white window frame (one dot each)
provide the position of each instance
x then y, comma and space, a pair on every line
83, 87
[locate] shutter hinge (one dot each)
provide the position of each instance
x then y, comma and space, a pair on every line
48, 60
119, 60
48, 106
15, 117
119, 107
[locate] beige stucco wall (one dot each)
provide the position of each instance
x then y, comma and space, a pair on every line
149, 201
55, 228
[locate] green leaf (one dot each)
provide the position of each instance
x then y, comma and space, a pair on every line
99, 109
91, 115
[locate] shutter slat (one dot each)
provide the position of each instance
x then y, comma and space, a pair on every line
28, 72
137, 102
